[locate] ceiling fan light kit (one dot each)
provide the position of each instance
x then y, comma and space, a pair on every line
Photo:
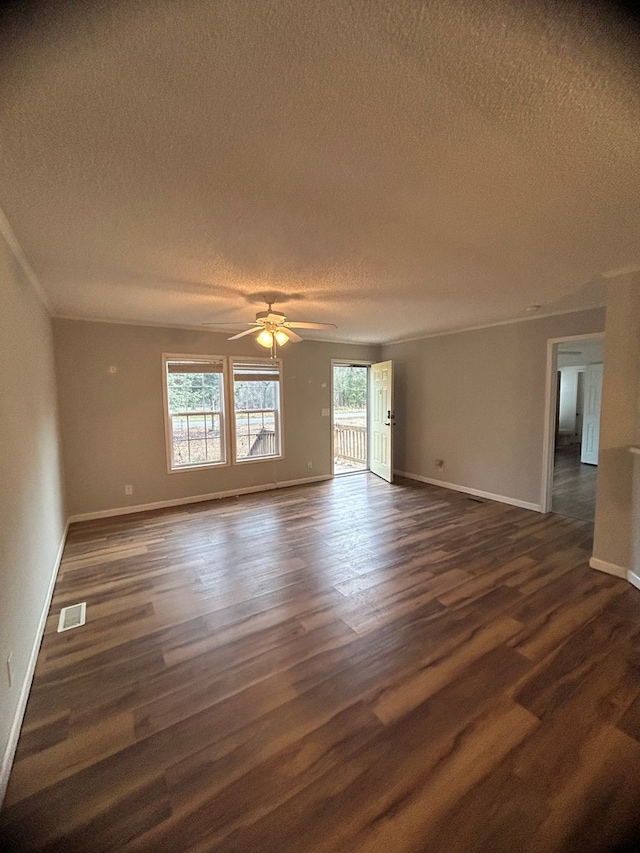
272, 329
272, 338
266, 337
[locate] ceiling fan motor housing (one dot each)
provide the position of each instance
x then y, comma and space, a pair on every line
270, 316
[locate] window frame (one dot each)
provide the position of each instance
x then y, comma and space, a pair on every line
224, 400
279, 413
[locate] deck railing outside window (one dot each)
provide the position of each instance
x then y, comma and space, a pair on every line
256, 431
196, 437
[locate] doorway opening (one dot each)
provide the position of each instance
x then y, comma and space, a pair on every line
575, 369
350, 416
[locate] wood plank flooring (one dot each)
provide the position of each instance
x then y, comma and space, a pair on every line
574, 485
348, 666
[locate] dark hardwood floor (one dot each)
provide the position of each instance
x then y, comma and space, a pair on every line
349, 666
574, 485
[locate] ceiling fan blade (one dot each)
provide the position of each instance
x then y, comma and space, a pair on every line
294, 324
230, 325
242, 334
293, 336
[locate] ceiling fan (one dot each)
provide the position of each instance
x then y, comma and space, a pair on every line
272, 329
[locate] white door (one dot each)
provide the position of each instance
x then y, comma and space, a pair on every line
591, 414
381, 418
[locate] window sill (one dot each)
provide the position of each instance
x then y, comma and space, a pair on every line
251, 459
203, 467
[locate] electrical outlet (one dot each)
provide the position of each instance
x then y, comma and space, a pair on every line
309, 464
439, 463
325, 413
128, 490
10, 668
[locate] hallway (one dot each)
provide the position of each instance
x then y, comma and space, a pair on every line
574, 486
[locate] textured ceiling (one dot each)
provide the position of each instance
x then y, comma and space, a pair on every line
397, 168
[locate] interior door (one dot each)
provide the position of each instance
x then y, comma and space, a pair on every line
381, 419
591, 414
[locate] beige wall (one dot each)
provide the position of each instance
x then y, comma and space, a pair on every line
112, 424
617, 529
31, 495
476, 400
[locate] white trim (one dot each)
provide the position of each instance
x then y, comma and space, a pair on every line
278, 411
255, 460
16, 724
168, 439
212, 496
634, 579
494, 324
152, 324
548, 446
319, 478
469, 491
587, 336
609, 568
12, 242
348, 342
355, 363
550, 402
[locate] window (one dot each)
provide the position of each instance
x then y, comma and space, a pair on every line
197, 397
194, 411
256, 399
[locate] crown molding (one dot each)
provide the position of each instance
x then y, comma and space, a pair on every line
12, 242
496, 323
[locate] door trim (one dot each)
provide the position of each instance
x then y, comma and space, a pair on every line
551, 392
356, 363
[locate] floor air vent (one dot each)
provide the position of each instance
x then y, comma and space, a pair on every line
72, 617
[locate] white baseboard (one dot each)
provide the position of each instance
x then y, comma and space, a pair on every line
609, 568
634, 579
466, 490
617, 571
16, 725
192, 499
287, 483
